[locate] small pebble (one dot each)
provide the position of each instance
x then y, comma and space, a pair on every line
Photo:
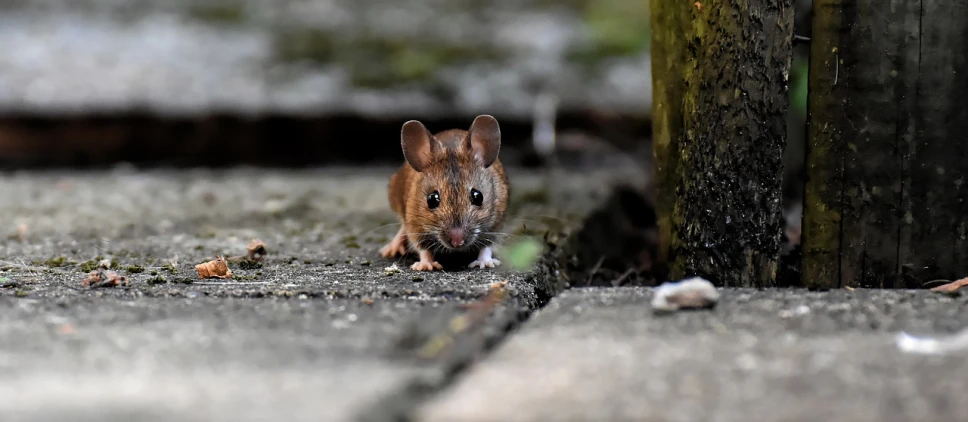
691, 293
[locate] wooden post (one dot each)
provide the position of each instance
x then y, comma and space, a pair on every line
885, 202
720, 72
667, 52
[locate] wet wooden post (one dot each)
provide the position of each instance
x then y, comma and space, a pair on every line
720, 76
885, 202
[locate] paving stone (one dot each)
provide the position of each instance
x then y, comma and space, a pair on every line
778, 355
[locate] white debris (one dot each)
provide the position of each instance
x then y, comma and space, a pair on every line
932, 346
799, 311
695, 292
104, 263
393, 269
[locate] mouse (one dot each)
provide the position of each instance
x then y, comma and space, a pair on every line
450, 194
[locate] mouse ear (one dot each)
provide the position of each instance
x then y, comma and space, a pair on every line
419, 145
484, 139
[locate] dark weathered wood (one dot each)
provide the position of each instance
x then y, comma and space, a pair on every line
667, 53
720, 146
884, 203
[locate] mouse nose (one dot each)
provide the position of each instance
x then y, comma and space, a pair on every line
456, 237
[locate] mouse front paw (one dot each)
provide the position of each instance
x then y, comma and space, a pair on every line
485, 259
393, 249
426, 266
396, 247
485, 263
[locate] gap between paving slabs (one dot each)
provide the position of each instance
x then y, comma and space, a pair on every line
452, 340
449, 340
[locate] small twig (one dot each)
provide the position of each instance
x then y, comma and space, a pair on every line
621, 279
800, 39
591, 275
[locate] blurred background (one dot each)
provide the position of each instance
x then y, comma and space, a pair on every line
94, 83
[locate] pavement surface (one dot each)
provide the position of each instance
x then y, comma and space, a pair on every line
780, 355
323, 332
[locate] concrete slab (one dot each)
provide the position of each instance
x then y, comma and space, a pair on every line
781, 355
203, 359
311, 335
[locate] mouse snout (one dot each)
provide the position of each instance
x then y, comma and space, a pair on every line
455, 237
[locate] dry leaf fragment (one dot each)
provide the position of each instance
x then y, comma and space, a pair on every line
218, 268
501, 285
104, 278
21, 233
951, 287
257, 250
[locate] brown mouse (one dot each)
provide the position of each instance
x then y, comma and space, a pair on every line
451, 194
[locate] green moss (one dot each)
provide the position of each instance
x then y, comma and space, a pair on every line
376, 62
56, 262
182, 280
246, 264
618, 28
570, 4
157, 280
350, 242
798, 89
135, 269
22, 293
218, 13
309, 44
365, 263
171, 268
88, 266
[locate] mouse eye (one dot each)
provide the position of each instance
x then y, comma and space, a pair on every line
433, 200
477, 198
